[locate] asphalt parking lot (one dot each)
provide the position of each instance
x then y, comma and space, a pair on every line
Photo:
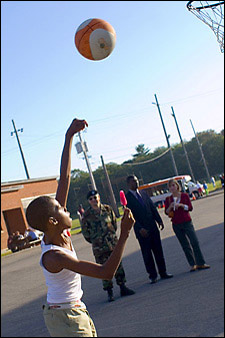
188, 305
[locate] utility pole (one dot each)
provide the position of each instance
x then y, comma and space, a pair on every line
185, 152
201, 151
21, 151
167, 138
111, 194
87, 162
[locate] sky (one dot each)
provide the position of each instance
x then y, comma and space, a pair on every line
161, 49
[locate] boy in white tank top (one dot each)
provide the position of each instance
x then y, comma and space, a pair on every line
65, 314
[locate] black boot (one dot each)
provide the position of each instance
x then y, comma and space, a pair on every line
124, 291
110, 295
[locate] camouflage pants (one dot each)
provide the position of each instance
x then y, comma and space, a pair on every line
119, 275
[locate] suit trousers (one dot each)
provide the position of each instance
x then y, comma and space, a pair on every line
152, 252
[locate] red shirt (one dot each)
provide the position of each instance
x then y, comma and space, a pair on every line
180, 215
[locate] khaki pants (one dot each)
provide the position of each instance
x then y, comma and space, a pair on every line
75, 322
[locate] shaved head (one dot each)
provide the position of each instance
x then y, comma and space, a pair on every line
39, 211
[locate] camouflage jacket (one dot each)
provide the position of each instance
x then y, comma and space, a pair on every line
100, 229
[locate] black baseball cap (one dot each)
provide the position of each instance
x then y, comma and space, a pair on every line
91, 193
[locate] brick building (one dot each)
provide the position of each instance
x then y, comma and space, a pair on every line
15, 197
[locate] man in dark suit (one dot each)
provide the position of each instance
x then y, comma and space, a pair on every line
146, 230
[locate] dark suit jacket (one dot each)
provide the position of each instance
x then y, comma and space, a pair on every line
145, 216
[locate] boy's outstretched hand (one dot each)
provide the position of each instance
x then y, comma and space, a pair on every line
65, 168
127, 221
76, 126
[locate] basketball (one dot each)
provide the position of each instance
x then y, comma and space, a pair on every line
95, 39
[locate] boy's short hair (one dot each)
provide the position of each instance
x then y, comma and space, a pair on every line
38, 212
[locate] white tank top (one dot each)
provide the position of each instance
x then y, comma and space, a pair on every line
63, 286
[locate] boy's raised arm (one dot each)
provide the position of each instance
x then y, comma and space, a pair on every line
65, 168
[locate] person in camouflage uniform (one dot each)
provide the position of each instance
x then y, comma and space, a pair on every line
99, 228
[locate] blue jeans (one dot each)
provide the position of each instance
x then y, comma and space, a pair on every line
187, 237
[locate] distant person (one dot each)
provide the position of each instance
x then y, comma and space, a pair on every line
99, 227
205, 186
18, 235
80, 213
200, 190
146, 230
178, 207
64, 312
213, 181
31, 235
19, 242
222, 180
13, 242
81, 210
10, 242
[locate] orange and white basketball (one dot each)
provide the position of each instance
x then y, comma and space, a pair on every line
95, 39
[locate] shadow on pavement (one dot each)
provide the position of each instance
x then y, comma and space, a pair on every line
188, 305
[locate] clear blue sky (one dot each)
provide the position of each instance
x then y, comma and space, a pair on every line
161, 49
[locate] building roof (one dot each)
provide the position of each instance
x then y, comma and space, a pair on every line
16, 185
14, 188
29, 180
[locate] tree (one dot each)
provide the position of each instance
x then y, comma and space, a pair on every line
213, 148
141, 151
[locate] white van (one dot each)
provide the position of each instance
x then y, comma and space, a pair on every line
158, 190
192, 188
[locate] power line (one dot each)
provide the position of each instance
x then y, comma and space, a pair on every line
190, 97
124, 115
148, 161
